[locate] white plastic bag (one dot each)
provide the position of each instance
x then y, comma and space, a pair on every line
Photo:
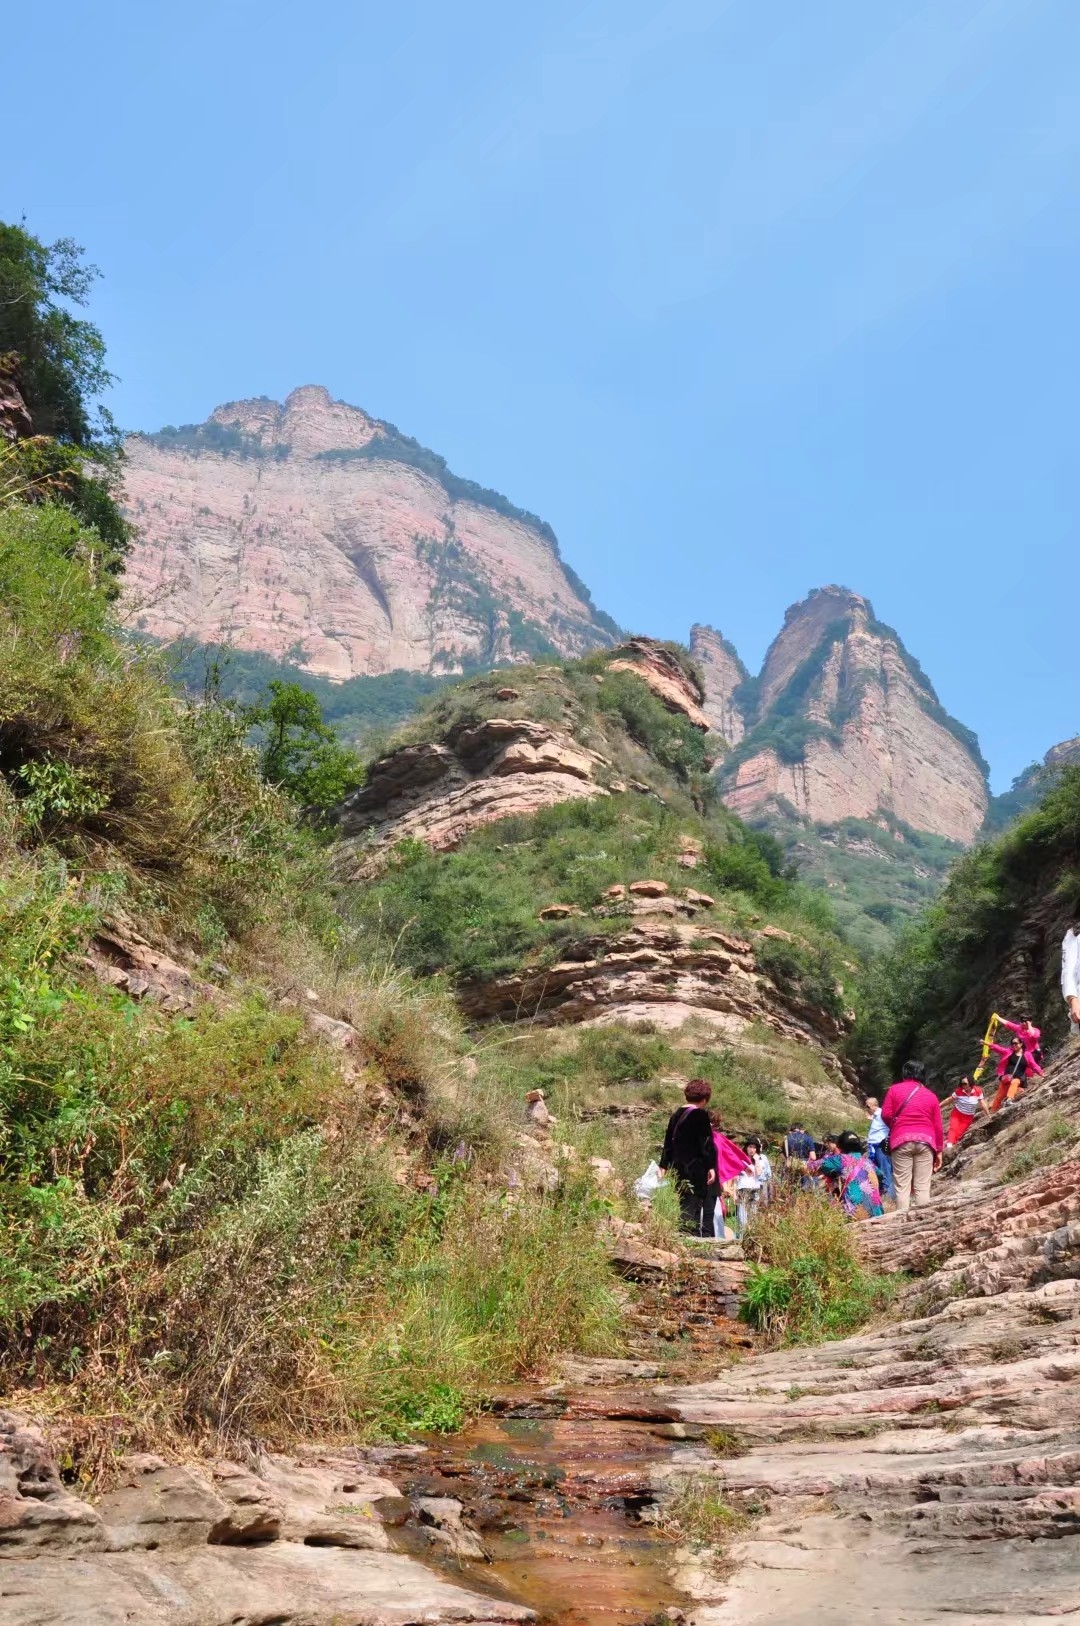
648, 1182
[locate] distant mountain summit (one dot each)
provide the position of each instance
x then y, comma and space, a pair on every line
843, 723
311, 532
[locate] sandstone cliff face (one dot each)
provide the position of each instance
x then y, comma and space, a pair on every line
847, 727
667, 676
439, 792
252, 531
723, 672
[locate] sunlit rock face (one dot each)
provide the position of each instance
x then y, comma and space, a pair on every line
845, 725
272, 528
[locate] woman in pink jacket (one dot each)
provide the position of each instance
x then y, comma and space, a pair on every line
916, 1135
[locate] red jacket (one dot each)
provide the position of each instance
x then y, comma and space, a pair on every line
913, 1113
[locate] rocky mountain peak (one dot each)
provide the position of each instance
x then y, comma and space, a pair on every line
845, 724
308, 423
724, 674
310, 531
805, 624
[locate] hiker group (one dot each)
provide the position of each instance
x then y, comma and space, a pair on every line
721, 1182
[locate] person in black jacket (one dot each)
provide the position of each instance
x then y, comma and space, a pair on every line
690, 1152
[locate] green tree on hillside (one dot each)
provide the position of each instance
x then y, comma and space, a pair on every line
67, 447
301, 754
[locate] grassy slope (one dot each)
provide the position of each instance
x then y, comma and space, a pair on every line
343, 1230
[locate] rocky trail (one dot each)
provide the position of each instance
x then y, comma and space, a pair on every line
927, 1469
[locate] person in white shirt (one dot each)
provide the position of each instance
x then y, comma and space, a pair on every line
1070, 977
877, 1147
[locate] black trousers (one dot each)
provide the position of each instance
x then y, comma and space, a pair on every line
697, 1205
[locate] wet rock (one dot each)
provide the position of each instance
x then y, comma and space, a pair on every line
442, 1515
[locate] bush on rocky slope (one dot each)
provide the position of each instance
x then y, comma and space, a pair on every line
210, 1221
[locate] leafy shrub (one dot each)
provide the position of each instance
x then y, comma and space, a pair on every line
668, 736
806, 1279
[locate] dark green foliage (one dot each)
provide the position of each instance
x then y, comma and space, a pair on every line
57, 361
356, 708
1024, 792
301, 754
221, 439
916, 989
807, 1281
62, 371
877, 876
809, 974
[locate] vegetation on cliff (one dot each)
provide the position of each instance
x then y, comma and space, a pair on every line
200, 1213
936, 987
58, 443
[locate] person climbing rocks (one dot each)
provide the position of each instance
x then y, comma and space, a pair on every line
1013, 1071
912, 1113
1026, 1030
967, 1102
850, 1177
690, 1152
877, 1147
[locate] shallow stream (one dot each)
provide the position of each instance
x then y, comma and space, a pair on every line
556, 1501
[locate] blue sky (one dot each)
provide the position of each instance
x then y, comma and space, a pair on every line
744, 296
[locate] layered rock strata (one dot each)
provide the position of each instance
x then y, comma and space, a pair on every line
667, 972
928, 1470
276, 532
668, 678
846, 726
297, 1541
438, 792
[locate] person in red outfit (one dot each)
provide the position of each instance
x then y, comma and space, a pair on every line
916, 1135
968, 1101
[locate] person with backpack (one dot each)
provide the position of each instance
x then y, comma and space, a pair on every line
912, 1114
690, 1153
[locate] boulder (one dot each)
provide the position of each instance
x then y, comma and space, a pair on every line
649, 889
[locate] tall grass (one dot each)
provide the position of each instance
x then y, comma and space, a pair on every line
807, 1281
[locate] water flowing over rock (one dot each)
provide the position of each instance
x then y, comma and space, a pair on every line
272, 527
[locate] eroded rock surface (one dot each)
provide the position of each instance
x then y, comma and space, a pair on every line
724, 672
875, 741
285, 543
439, 792
928, 1470
290, 1542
